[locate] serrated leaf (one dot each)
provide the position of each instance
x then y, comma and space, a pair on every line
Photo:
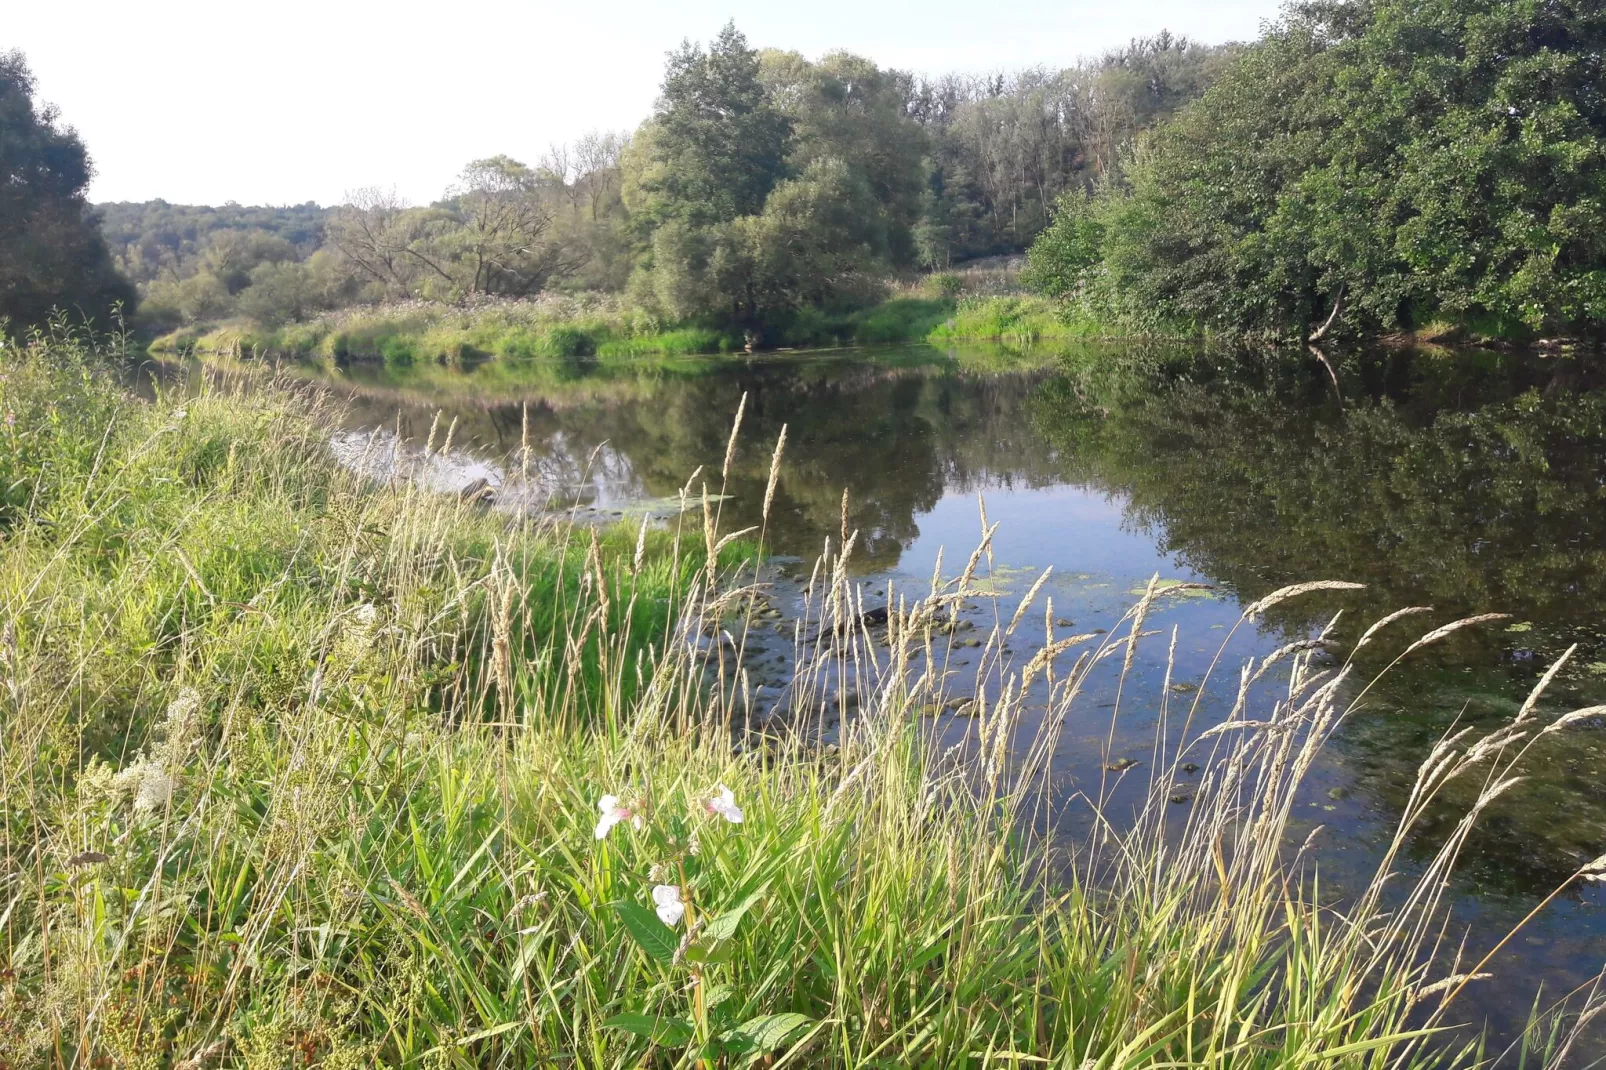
724, 926
769, 1031
651, 935
670, 1032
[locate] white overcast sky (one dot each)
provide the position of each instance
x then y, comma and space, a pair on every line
285, 101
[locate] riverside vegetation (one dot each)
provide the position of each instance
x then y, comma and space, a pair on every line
769, 200
1366, 168
300, 768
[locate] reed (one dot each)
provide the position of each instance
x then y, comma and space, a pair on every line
303, 768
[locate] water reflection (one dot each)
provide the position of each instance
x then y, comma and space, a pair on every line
1467, 482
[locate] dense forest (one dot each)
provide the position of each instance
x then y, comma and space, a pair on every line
763, 184
1367, 166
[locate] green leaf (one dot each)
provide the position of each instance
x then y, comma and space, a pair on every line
651, 935
708, 952
769, 1031
724, 926
670, 1032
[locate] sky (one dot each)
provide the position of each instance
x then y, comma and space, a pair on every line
298, 100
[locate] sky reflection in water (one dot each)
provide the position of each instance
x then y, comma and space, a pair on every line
1469, 482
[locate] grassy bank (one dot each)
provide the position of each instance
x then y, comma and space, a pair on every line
299, 769
425, 333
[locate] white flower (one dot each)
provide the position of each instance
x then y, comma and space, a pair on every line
613, 813
155, 792
724, 804
667, 899
147, 781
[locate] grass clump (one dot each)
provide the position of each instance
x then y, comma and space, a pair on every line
297, 768
1014, 319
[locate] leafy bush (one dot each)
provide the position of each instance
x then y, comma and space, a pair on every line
1380, 165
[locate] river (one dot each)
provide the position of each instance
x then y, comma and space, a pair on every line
1466, 481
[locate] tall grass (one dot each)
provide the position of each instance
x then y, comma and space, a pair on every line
300, 769
425, 332
1017, 320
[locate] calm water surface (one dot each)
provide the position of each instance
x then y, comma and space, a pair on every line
1468, 482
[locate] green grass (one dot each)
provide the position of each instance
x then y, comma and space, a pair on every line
298, 768
421, 334
1017, 320
438, 334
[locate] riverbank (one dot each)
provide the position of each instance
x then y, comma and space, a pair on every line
296, 762
603, 326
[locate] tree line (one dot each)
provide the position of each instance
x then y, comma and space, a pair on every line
765, 186
1367, 166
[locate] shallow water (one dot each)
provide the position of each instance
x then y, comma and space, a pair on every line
1468, 482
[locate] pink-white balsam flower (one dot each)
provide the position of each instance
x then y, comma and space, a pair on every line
723, 803
612, 814
666, 897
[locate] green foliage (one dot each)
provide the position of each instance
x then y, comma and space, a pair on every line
302, 766
1073, 243
50, 408
903, 319
846, 109
1403, 162
764, 188
1005, 148
717, 143
52, 254
1020, 320
767, 201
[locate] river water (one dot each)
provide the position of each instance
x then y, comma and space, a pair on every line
1467, 481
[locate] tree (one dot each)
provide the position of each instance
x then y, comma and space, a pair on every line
847, 109
1073, 243
1381, 164
1005, 147
503, 241
596, 162
52, 254
383, 240
717, 144
819, 243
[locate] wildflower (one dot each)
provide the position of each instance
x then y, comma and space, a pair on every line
666, 897
155, 792
612, 814
658, 873
148, 782
723, 803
